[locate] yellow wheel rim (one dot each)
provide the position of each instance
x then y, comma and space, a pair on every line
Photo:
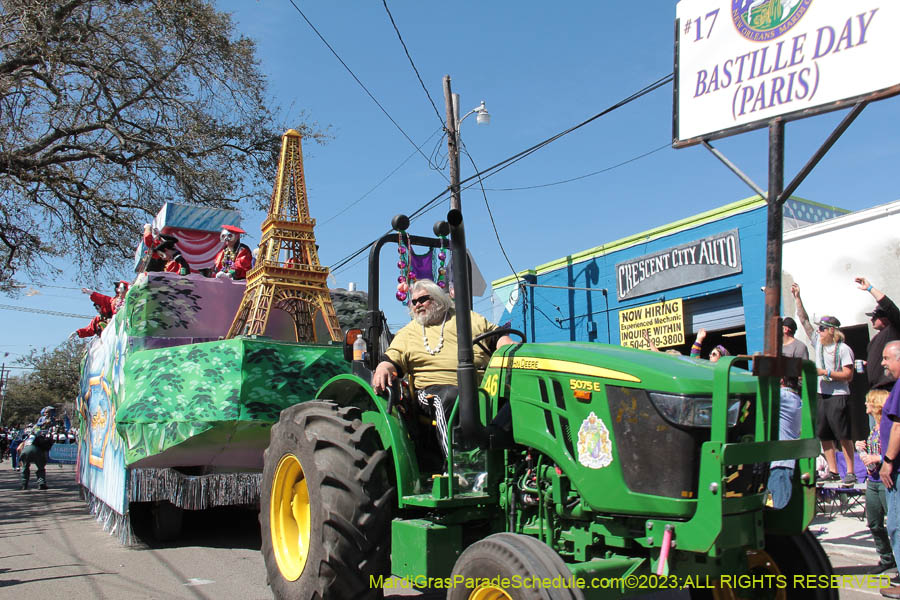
758, 563
489, 592
289, 517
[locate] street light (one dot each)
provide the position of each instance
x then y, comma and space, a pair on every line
482, 117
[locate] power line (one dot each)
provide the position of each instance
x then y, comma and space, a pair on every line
604, 170
44, 312
496, 168
503, 164
48, 369
47, 285
405, 49
491, 217
361, 84
377, 185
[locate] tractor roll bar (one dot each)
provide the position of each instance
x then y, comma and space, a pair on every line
373, 325
465, 372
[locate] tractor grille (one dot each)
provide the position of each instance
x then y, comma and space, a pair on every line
661, 458
557, 426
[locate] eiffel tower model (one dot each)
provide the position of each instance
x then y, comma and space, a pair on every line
287, 274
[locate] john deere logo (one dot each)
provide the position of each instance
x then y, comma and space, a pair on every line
764, 20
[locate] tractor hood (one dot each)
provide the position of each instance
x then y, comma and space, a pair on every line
625, 426
657, 371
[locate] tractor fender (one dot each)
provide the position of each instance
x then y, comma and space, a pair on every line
350, 390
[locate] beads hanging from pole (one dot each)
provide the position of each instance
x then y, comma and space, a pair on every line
406, 277
442, 269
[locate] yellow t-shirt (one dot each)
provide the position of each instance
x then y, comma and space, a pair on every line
408, 351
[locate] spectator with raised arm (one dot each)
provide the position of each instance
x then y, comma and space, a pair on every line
834, 366
714, 355
885, 319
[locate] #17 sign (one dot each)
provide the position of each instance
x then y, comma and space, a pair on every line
741, 63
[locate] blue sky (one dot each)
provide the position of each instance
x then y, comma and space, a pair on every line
541, 68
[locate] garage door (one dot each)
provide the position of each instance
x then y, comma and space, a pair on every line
714, 313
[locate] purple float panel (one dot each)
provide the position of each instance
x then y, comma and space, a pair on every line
167, 309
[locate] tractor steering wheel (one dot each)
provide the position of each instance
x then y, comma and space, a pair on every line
496, 334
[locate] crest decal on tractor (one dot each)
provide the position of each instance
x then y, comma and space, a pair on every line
594, 446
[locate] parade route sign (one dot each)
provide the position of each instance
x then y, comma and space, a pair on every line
741, 63
663, 322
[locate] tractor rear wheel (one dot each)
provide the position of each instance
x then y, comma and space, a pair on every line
802, 555
325, 504
507, 555
784, 557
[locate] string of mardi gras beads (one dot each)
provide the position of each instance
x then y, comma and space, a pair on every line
406, 277
442, 270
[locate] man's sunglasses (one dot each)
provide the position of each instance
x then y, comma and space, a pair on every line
420, 300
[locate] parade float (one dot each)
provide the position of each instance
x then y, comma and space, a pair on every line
178, 393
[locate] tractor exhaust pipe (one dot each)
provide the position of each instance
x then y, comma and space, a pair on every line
465, 372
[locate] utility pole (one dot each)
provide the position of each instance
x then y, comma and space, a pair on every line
452, 146
772, 335
2, 389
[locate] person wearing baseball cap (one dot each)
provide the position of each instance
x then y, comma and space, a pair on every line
834, 365
781, 471
234, 259
885, 318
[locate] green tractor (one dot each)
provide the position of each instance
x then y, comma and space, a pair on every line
576, 470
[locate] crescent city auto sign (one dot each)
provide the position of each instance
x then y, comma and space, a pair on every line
707, 258
740, 63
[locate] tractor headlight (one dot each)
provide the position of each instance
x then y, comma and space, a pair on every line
691, 411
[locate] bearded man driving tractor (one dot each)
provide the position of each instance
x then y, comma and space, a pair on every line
426, 351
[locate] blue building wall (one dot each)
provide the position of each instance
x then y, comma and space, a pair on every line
555, 314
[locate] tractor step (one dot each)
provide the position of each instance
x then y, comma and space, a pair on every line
459, 499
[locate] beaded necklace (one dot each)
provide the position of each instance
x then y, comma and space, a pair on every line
834, 364
227, 259
440, 340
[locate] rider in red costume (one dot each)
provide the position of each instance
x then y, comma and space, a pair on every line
235, 258
176, 263
109, 305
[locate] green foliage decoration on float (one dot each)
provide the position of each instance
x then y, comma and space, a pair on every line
173, 394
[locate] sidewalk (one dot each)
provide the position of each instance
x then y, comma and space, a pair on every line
846, 535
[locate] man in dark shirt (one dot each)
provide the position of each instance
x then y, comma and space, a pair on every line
789, 416
886, 321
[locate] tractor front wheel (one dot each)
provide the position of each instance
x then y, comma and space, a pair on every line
802, 555
507, 555
325, 504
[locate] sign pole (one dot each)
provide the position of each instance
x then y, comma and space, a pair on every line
775, 228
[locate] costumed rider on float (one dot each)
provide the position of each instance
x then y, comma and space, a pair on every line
109, 304
234, 259
97, 324
175, 262
425, 350
154, 260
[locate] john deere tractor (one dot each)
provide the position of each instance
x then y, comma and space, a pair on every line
576, 470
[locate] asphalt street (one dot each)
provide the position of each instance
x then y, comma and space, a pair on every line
51, 547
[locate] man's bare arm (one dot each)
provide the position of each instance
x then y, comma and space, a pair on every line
801, 312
